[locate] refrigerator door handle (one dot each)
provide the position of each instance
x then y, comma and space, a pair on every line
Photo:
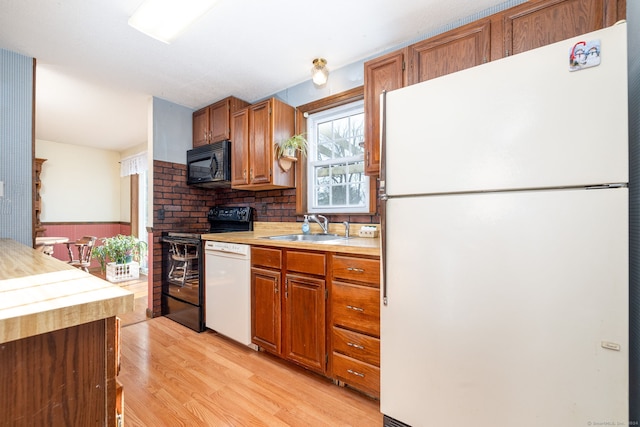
382, 196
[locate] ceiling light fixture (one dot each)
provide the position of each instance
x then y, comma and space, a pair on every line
319, 72
165, 19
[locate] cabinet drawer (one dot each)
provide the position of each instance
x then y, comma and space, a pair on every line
357, 374
266, 257
307, 262
356, 345
356, 307
357, 269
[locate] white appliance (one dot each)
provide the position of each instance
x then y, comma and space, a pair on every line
228, 290
505, 259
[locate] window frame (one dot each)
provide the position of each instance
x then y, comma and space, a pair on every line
302, 111
329, 115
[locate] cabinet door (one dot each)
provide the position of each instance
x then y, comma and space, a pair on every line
200, 127
265, 309
305, 322
240, 148
538, 23
384, 73
260, 144
455, 50
219, 120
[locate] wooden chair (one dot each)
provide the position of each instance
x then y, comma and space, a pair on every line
84, 247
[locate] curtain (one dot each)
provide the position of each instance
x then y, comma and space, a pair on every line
135, 164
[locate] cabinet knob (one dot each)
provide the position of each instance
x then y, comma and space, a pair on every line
351, 307
355, 270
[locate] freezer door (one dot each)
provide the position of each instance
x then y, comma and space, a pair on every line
524, 121
506, 309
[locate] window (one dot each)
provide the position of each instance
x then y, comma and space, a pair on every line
336, 180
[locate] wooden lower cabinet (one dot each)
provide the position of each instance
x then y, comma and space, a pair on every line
304, 322
355, 322
266, 309
319, 310
62, 378
288, 318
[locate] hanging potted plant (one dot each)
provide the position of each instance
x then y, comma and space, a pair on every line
286, 150
119, 256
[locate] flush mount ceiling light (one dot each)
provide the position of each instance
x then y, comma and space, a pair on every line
165, 19
319, 72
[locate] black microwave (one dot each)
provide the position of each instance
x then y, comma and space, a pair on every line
210, 165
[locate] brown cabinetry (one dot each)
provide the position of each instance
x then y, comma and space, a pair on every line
289, 319
355, 322
385, 73
539, 23
527, 26
256, 129
455, 50
213, 123
265, 298
65, 377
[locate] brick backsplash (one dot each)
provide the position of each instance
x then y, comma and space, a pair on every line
179, 207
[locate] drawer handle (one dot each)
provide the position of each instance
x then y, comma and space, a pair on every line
358, 374
350, 307
355, 270
354, 345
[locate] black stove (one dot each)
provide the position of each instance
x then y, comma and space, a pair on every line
227, 219
183, 264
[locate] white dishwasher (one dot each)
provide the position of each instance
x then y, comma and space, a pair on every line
228, 290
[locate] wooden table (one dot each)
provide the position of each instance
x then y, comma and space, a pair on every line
45, 244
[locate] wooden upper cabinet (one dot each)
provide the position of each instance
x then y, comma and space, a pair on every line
260, 144
455, 50
542, 22
200, 127
240, 148
256, 129
387, 72
213, 123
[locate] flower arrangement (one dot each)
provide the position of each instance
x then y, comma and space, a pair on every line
120, 249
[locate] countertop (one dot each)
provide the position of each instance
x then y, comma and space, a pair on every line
352, 245
40, 294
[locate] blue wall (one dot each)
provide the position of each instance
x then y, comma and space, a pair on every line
16, 146
172, 131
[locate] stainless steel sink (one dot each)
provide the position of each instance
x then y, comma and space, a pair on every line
306, 237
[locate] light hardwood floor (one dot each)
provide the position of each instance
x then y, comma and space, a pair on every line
173, 376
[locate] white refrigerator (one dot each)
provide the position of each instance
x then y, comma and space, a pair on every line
505, 242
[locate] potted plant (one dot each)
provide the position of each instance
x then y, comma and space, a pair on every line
286, 150
289, 147
120, 251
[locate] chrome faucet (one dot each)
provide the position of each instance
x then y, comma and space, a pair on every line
346, 228
324, 224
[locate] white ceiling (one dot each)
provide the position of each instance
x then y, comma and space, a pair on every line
96, 74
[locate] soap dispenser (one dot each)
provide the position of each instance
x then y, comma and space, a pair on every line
305, 225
